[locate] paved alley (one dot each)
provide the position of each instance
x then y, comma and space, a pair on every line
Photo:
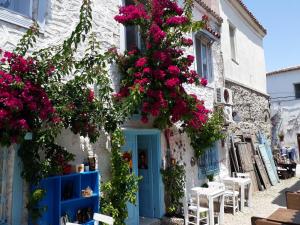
264, 203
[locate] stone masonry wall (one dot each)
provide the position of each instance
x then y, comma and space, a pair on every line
253, 109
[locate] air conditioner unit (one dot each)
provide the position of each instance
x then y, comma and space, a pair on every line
224, 96
228, 114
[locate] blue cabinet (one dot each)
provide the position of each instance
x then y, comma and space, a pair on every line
64, 196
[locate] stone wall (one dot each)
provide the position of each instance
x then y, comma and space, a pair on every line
252, 109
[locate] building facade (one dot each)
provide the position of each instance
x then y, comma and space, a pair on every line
244, 69
56, 19
284, 90
229, 53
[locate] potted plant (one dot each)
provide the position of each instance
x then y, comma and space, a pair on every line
174, 180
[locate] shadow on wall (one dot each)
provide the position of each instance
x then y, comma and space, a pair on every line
280, 200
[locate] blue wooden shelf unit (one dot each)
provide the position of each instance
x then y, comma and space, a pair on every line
63, 196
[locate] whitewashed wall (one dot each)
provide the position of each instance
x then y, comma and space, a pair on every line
61, 18
284, 107
249, 69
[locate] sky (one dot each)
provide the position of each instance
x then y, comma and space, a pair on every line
281, 18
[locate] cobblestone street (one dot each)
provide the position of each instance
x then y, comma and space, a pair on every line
264, 203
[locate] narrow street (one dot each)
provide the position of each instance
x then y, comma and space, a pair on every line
264, 202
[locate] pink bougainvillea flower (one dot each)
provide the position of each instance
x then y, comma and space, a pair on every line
23, 124
170, 83
190, 58
147, 70
141, 62
91, 96
156, 33
144, 119
159, 74
174, 70
3, 114
8, 55
132, 52
138, 75
177, 20
187, 41
130, 13
203, 81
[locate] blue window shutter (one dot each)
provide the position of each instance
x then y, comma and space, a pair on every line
42, 9
209, 162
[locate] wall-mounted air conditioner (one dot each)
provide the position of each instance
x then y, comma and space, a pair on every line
224, 96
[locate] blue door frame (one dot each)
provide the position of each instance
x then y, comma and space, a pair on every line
158, 188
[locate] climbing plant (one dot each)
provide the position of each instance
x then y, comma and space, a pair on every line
123, 186
50, 89
208, 134
155, 74
174, 180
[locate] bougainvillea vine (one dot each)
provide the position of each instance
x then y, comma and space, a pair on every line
160, 70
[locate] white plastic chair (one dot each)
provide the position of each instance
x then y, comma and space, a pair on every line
231, 196
103, 218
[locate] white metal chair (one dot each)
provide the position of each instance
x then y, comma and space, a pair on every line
99, 218
231, 196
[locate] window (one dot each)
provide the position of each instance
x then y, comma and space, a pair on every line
203, 57
19, 12
132, 37
20, 6
209, 162
232, 30
297, 91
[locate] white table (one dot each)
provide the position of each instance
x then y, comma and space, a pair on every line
243, 183
211, 194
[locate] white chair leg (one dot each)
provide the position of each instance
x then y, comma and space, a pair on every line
233, 205
198, 218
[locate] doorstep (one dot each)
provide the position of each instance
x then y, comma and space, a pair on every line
149, 221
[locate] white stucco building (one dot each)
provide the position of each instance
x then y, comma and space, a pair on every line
284, 89
244, 68
57, 20
229, 54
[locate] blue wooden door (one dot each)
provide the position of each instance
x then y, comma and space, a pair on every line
269, 168
131, 147
145, 168
263, 140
